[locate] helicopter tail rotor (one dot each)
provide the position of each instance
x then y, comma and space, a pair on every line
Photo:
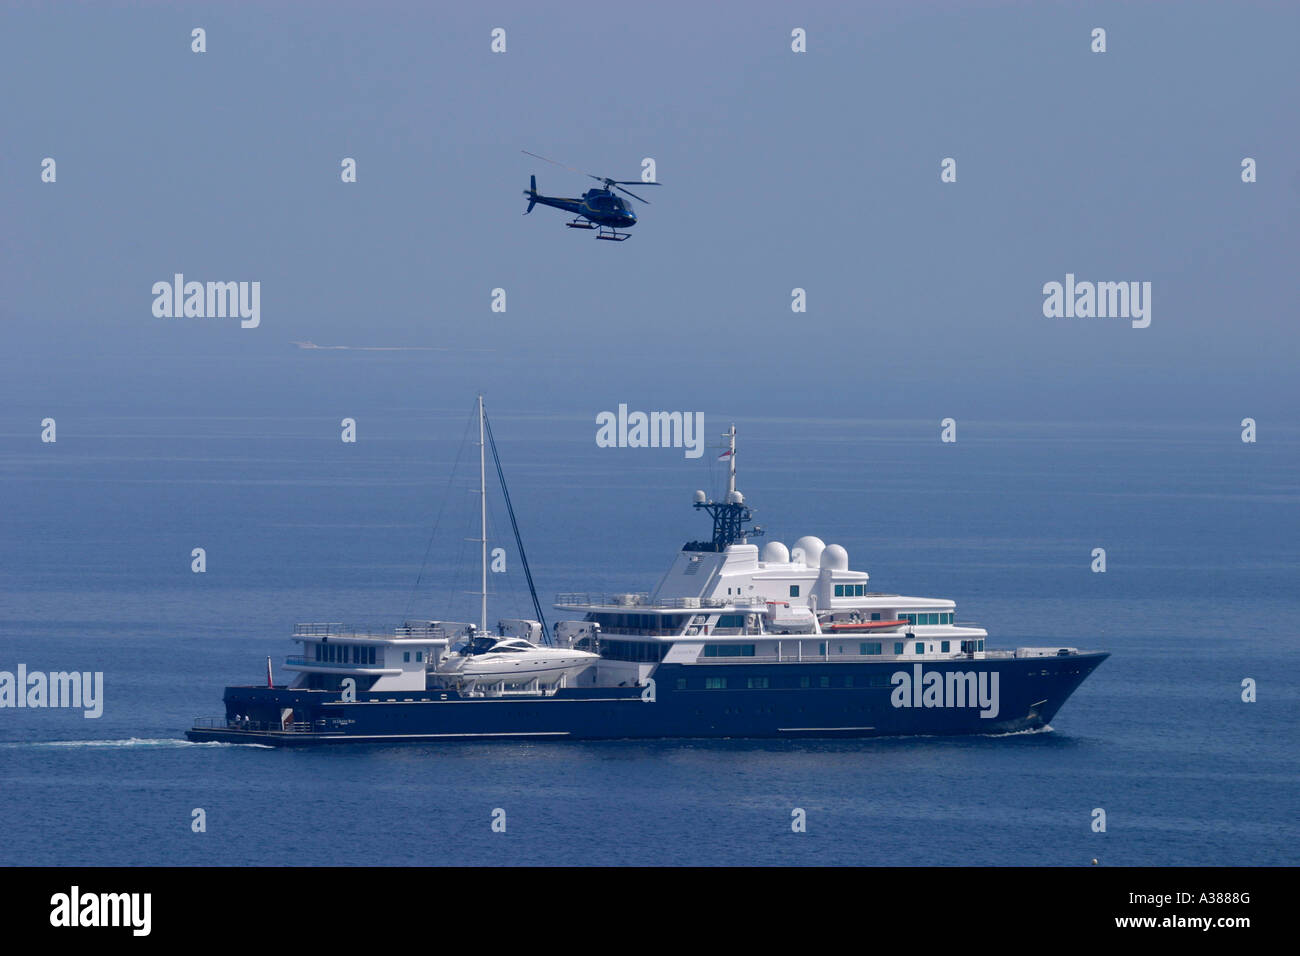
531, 194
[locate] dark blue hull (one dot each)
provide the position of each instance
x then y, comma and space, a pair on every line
686, 700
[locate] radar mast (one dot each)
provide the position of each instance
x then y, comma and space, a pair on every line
729, 516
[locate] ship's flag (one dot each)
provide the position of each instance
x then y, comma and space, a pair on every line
268, 673
725, 455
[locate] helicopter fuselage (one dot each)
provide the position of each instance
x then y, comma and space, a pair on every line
599, 206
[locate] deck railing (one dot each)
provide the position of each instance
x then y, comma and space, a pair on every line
259, 726
642, 600
411, 629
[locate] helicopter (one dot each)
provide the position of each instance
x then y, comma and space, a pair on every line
599, 209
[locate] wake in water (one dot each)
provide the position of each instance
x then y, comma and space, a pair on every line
129, 742
1046, 729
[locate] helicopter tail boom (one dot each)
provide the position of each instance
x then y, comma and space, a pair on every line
531, 194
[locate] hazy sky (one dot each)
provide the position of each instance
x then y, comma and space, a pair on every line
817, 170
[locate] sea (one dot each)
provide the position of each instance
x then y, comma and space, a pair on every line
1180, 749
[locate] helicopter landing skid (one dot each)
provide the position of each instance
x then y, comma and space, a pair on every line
580, 224
613, 235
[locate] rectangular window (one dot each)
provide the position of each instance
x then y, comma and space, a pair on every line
839, 590
757, 683
317, 651
824, 681
859, 590
821, 648
728, 650
920, 647
372, 655
419, 657
875, 615
804, 682
406, 657
681, 683
848, 681
944, 647
715, 683
794, 590
898, 647
869, 647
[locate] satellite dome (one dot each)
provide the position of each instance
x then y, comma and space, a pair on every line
700, 497
774, 552
812, 549
735, 498
835, 558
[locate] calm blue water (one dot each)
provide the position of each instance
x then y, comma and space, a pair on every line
1203, 542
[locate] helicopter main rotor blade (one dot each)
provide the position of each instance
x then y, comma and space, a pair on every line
631, 182
572, 169
632, 194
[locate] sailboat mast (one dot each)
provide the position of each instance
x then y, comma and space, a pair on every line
482, 491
